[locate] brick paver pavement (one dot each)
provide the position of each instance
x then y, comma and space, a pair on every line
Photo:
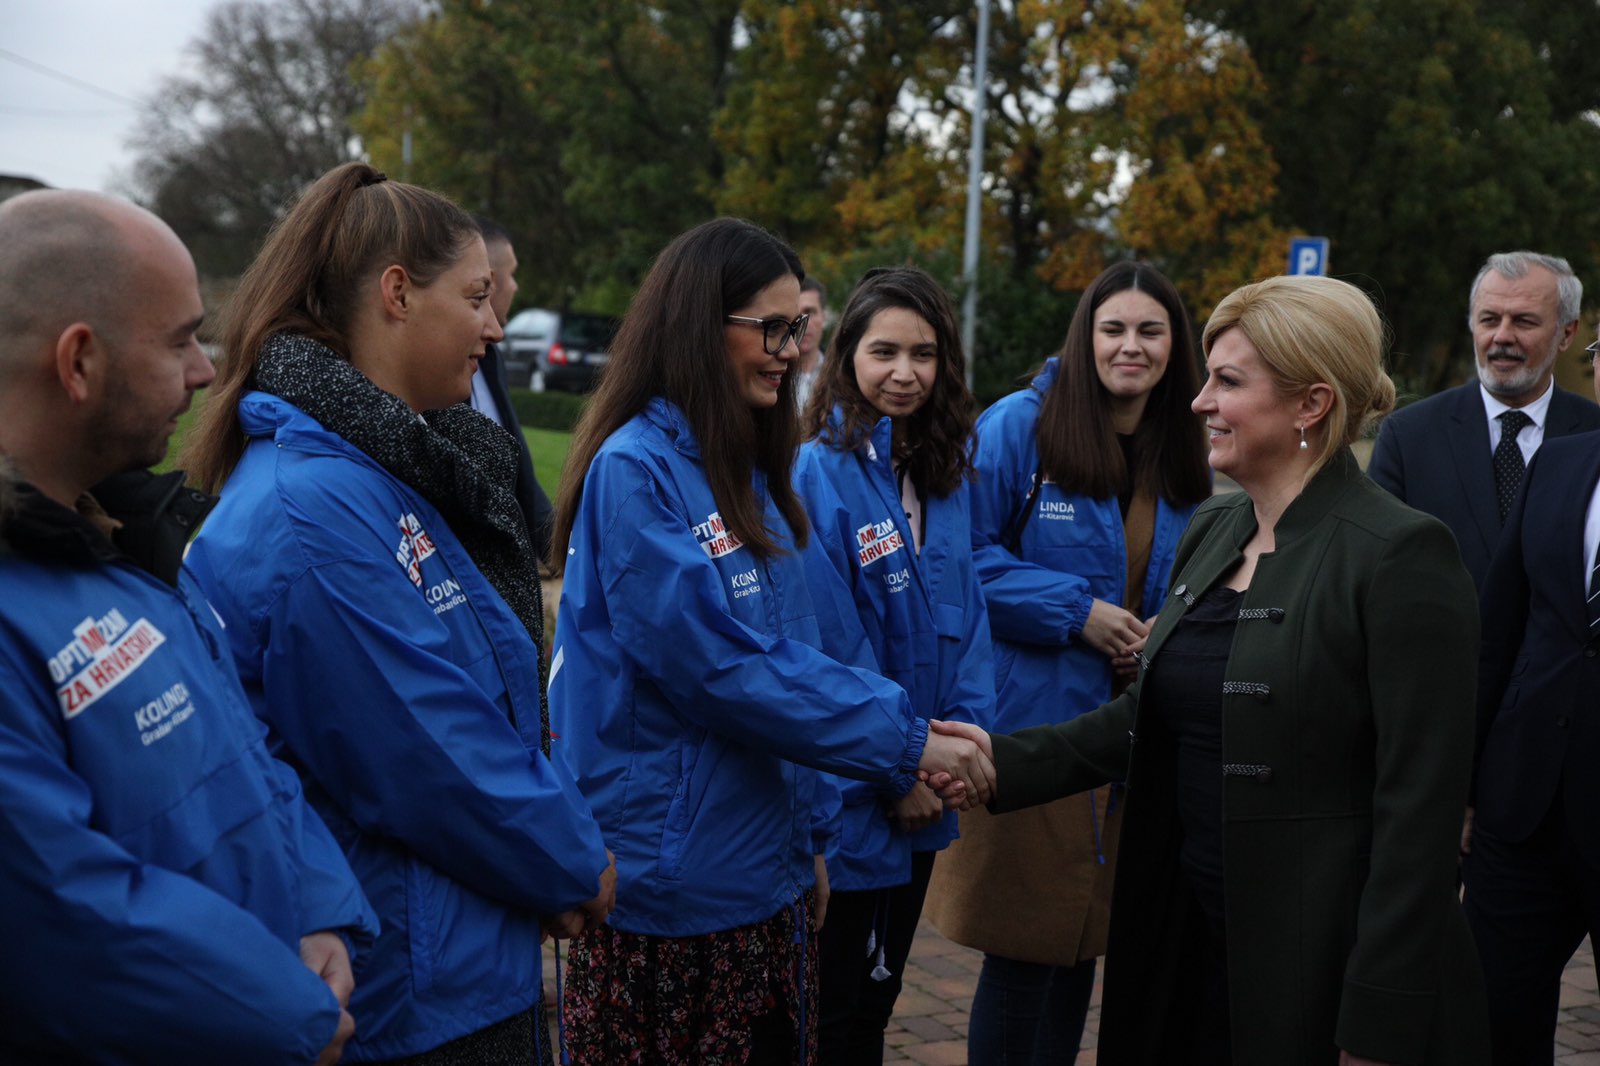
940, 977
930, 1020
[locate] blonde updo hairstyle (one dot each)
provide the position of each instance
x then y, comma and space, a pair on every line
1315, 330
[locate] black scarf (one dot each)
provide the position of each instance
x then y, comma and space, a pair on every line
461, 462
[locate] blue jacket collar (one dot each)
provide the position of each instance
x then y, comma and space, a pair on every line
879, 445
261, 414
670, 419
1046, 377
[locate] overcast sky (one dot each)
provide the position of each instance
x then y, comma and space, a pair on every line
66, 134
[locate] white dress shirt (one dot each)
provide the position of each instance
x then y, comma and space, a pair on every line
483, 399
1532, 435
1591, 535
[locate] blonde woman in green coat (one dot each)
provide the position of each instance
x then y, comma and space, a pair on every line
1299, 742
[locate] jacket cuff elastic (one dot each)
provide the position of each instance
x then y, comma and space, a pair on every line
1078, 614
905, 775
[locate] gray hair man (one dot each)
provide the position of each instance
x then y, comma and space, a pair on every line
1460, 455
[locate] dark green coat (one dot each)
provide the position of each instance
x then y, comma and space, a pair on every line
1347, 748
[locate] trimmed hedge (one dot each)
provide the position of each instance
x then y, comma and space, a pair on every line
548, 410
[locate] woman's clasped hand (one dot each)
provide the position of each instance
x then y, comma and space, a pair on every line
958, 765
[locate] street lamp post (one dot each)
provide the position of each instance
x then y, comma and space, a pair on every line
969, 255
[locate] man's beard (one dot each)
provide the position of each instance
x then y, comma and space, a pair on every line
1519, 381
128, 438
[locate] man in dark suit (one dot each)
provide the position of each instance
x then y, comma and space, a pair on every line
1533, 871
491, 394
1448, 455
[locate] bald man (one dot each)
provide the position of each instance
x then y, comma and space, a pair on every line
166, 895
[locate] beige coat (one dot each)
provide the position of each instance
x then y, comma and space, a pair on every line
1027, 886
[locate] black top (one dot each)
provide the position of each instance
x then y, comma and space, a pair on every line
1183, 694
1125, 497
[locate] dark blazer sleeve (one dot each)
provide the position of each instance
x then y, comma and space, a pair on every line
531, 495
537, 511
1571, 413
1046, 762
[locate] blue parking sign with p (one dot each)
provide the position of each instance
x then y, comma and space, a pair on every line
1308, 255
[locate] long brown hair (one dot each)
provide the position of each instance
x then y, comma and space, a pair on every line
348, 225
671, 344
1078, 447
938, 433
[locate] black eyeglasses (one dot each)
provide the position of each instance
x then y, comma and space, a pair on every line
775, 332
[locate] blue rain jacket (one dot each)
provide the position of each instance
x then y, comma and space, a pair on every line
406, 690
687, 683
1072, 553
924, 618
159, 867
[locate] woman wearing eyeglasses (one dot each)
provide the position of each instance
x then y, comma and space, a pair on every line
691, 699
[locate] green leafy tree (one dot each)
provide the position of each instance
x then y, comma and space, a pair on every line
473, 96
1421, 137
583, 127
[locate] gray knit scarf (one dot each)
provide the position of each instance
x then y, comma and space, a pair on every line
461, 462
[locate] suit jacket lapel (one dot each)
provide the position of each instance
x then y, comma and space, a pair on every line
1559, 522
1469, 446
1566, 414
1220, 555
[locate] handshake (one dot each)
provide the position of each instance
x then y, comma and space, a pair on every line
958, 764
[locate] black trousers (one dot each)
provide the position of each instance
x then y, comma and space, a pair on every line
855, 1008
1529, 905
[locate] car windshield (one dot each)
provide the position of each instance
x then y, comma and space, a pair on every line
587, 331
530, 323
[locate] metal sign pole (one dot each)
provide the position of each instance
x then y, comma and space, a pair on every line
969, 255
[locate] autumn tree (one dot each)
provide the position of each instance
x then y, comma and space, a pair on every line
219, 154
826, 129
1115, 128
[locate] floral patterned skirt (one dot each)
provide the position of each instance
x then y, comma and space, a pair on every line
692, 1001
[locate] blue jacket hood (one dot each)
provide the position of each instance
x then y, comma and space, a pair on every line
1046, 377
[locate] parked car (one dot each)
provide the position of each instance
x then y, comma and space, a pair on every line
581, 347
528, 337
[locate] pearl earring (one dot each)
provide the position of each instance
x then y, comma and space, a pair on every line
1302, 438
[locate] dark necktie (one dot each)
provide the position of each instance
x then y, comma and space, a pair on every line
1508, 462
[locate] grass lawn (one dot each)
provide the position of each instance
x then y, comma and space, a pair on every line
548, 447
184, 423
549, 450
